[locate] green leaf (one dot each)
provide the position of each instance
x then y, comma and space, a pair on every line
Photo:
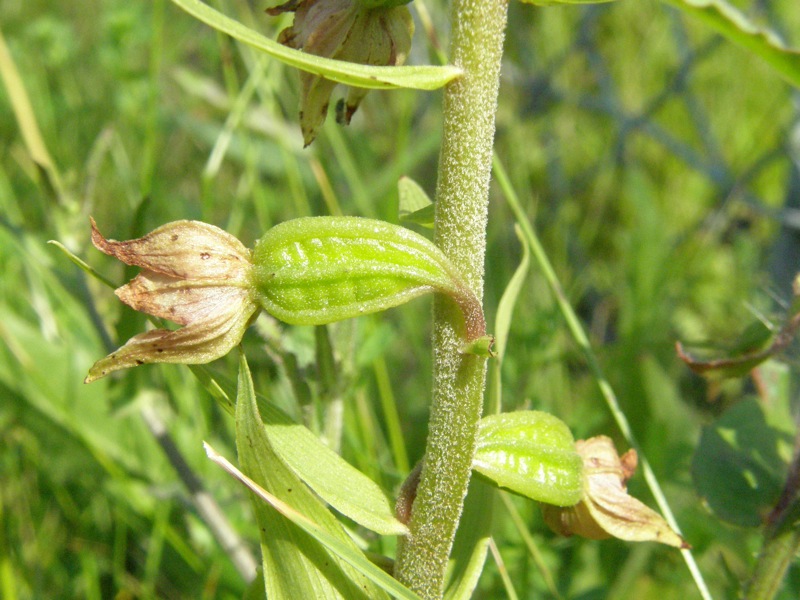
331, 477
20, 103
296, 564
740, 465
348, 554
415, 206
531, 453
415, 77
317, 270
731, 23
505, 308
472, 541
777, 395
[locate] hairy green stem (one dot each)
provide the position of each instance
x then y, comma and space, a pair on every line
470, 105
781, 538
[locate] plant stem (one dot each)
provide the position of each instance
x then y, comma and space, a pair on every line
470, 105
776, 556
781, 537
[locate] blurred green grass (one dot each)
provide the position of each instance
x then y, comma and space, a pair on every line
651, 157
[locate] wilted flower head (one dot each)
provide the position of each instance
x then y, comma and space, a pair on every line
194, 274
349, 30
606, 509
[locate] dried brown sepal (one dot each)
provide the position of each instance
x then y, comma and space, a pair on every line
343, 30
606, 509
195, 275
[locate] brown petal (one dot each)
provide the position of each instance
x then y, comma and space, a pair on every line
183, 250
625, 518
606, 509
322, 28
316, 96
197, 343
573, 520
180, 301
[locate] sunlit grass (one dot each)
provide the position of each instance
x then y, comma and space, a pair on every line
656, 220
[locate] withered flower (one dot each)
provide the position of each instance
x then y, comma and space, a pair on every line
195, 275
606, 509
349, 30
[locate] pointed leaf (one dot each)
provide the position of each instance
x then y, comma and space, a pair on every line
755, 345
331, 477
346, 552
505, 308
740, 465
296, 564
414, 204
531, 453
737, 359
422, 78
730, 22
472, 541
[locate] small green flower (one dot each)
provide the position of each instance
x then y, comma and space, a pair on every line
348, 30
196, 275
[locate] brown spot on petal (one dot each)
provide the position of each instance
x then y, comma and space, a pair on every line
629, 462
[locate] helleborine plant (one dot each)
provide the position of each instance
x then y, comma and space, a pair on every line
318, 270
308, 271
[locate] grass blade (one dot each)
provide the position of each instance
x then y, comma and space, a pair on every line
729, 22
415, 77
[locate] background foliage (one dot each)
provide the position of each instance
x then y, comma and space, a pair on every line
655, 160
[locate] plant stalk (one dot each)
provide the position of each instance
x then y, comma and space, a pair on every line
470, 106
776, 556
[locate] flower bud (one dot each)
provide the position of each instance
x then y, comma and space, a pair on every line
350, 30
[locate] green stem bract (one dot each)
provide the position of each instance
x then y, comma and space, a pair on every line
776, 555
781, 542
470, 105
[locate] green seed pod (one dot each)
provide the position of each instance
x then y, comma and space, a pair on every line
531, 453
317, 270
